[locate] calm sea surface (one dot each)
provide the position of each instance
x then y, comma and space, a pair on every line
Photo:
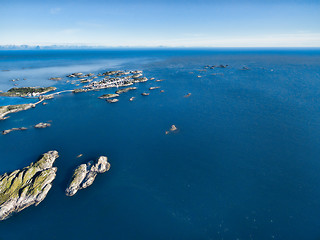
245, 163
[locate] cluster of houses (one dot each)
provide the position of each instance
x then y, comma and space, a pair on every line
116, 79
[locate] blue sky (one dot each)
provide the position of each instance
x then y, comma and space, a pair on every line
175, 23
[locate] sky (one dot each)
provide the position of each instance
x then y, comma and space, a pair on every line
169, 23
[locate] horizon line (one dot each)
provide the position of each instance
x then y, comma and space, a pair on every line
57, 47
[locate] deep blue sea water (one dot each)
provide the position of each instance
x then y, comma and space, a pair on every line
245, 163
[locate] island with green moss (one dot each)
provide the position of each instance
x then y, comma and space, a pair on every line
27, 91
28, 186
5, 110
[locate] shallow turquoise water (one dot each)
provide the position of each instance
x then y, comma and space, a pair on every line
244, 164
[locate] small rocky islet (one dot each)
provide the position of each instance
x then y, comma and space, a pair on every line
109, 95
13, 129
39, 125
42, 125
172, 129
114, 100
85, 174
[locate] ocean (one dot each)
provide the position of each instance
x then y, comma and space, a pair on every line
244, 163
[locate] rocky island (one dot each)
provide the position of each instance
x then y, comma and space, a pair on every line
55, 78
13, 129
42, 125
110, 95
85, 174
27, 91
28, 186
114, 100
5, 110
124, 90
172, 129
152, 88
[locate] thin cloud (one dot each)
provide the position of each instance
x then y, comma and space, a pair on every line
55, 10
70, 31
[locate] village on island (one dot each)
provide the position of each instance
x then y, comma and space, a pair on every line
90, 82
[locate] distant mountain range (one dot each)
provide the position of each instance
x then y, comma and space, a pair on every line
32, 47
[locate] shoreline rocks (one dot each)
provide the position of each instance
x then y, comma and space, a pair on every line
28, 186
85, 174
5, 110
13, 129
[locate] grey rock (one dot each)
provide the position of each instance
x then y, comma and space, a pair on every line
85, 174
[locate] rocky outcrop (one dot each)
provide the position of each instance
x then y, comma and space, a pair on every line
85, 174
124, 90
46, 97
152, 88
172, 129
13, 129
42, 125
110, 95
114, 100
55, 78
142, 79
28, 186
